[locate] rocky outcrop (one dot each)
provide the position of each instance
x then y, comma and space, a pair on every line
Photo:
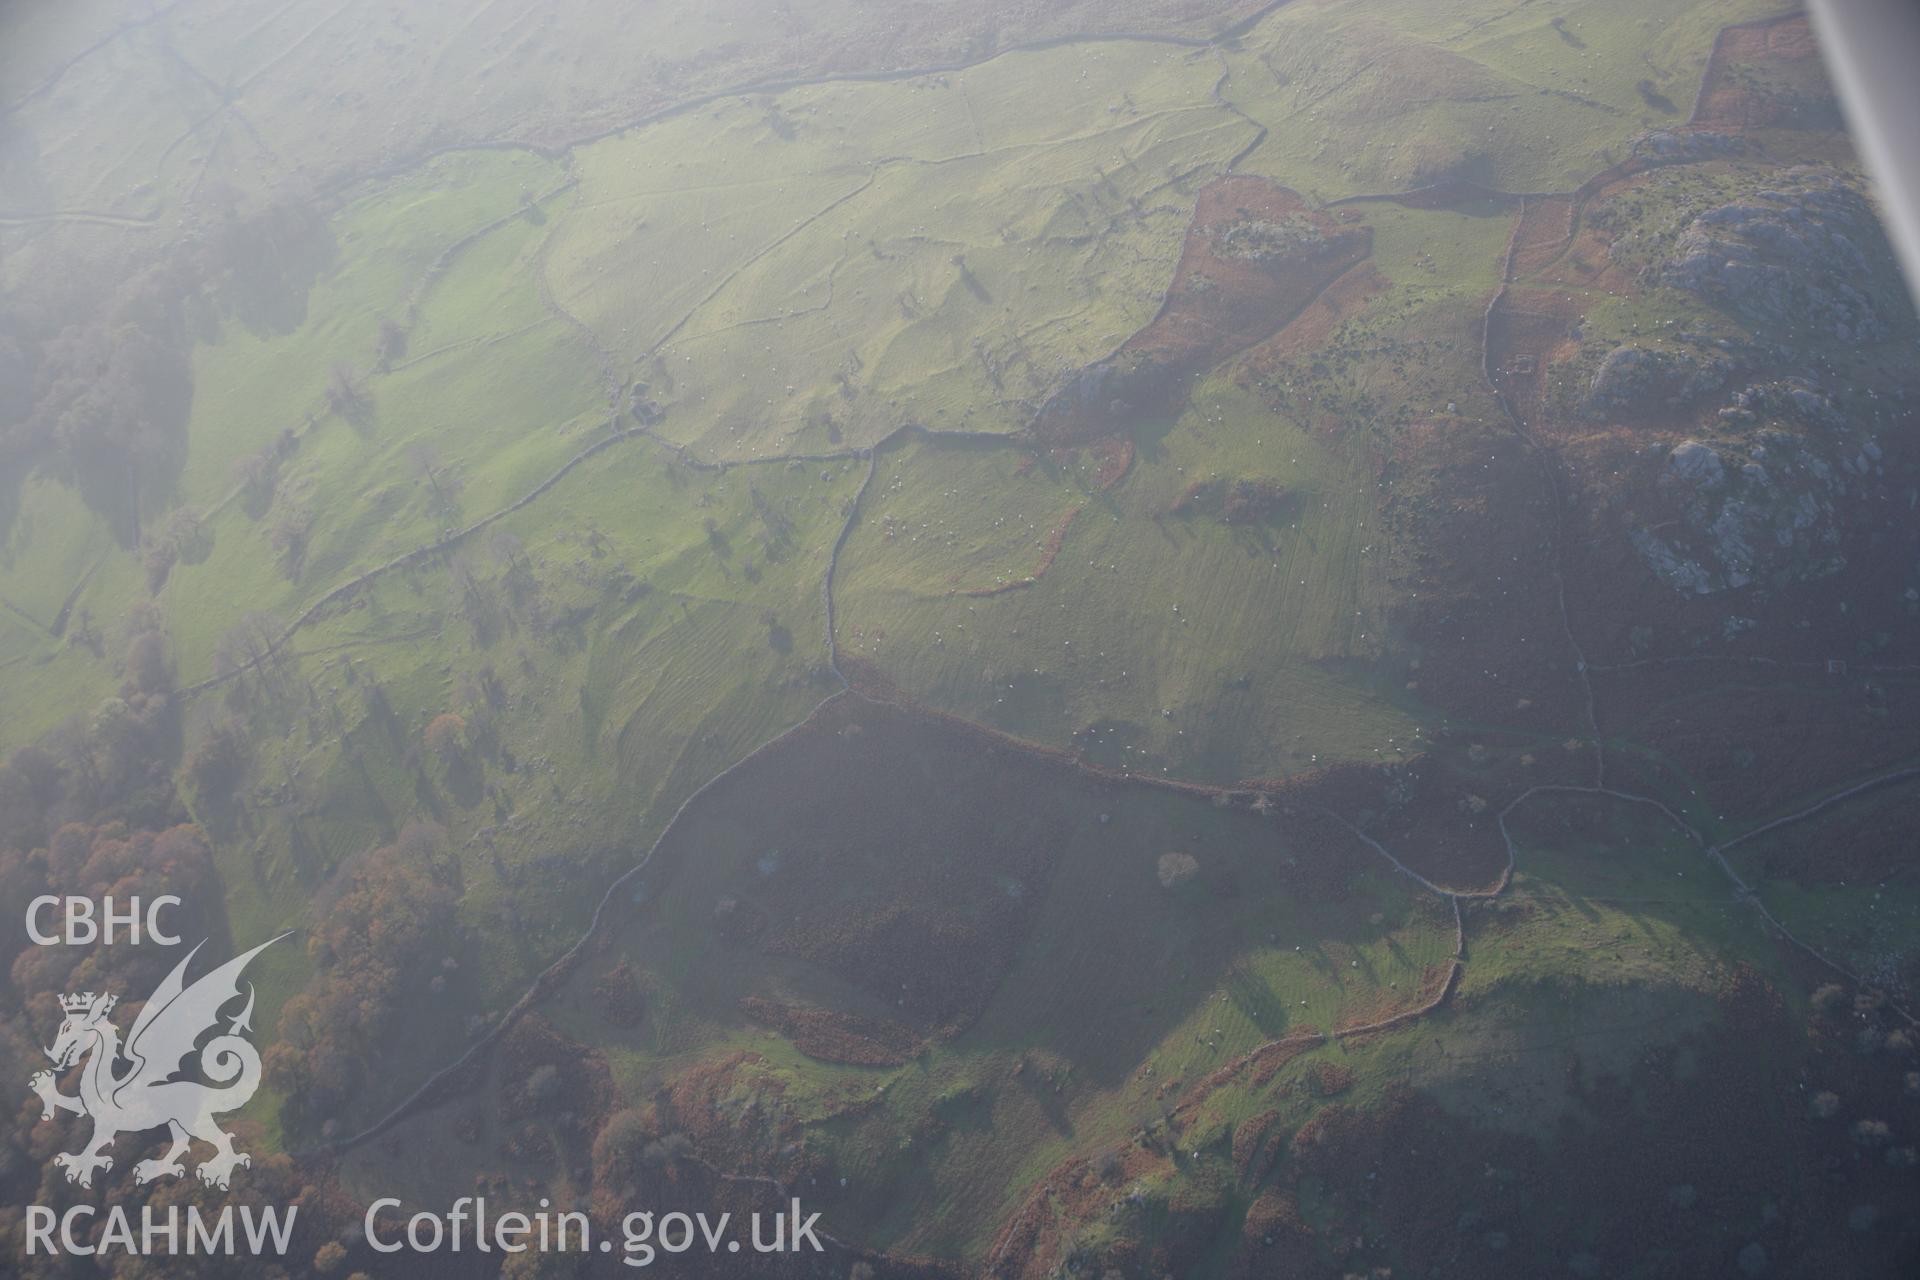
1791, 399
1686, 146
1755, 512
1696, 464
1796, 255
1642, 379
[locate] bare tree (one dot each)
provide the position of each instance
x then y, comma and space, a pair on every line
290, 536
250, 647
391, 345
507, 549
346, 395
423, 456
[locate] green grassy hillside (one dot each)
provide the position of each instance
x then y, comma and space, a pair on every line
1080, 593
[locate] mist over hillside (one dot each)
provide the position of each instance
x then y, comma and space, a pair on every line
1131, 639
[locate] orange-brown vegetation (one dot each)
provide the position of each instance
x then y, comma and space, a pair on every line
1049, 551
618, 997
833, 1036
1766, 75
1316, 323
372, 950
1255, 256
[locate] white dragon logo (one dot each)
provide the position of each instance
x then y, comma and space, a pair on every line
145, 1096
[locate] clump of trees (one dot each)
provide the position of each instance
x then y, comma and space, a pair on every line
88, 859
90, 811
256, 474
347, 395
446, 737
247, 648
109, 769
779, 638
620, 1163
1176, 868
112, 762
184, 537
260, 266
443, 483
217, 762
1871, 1133
290, 535
96, 379
543, 1086
391, 344
633, 1155
100, 399
372, 950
